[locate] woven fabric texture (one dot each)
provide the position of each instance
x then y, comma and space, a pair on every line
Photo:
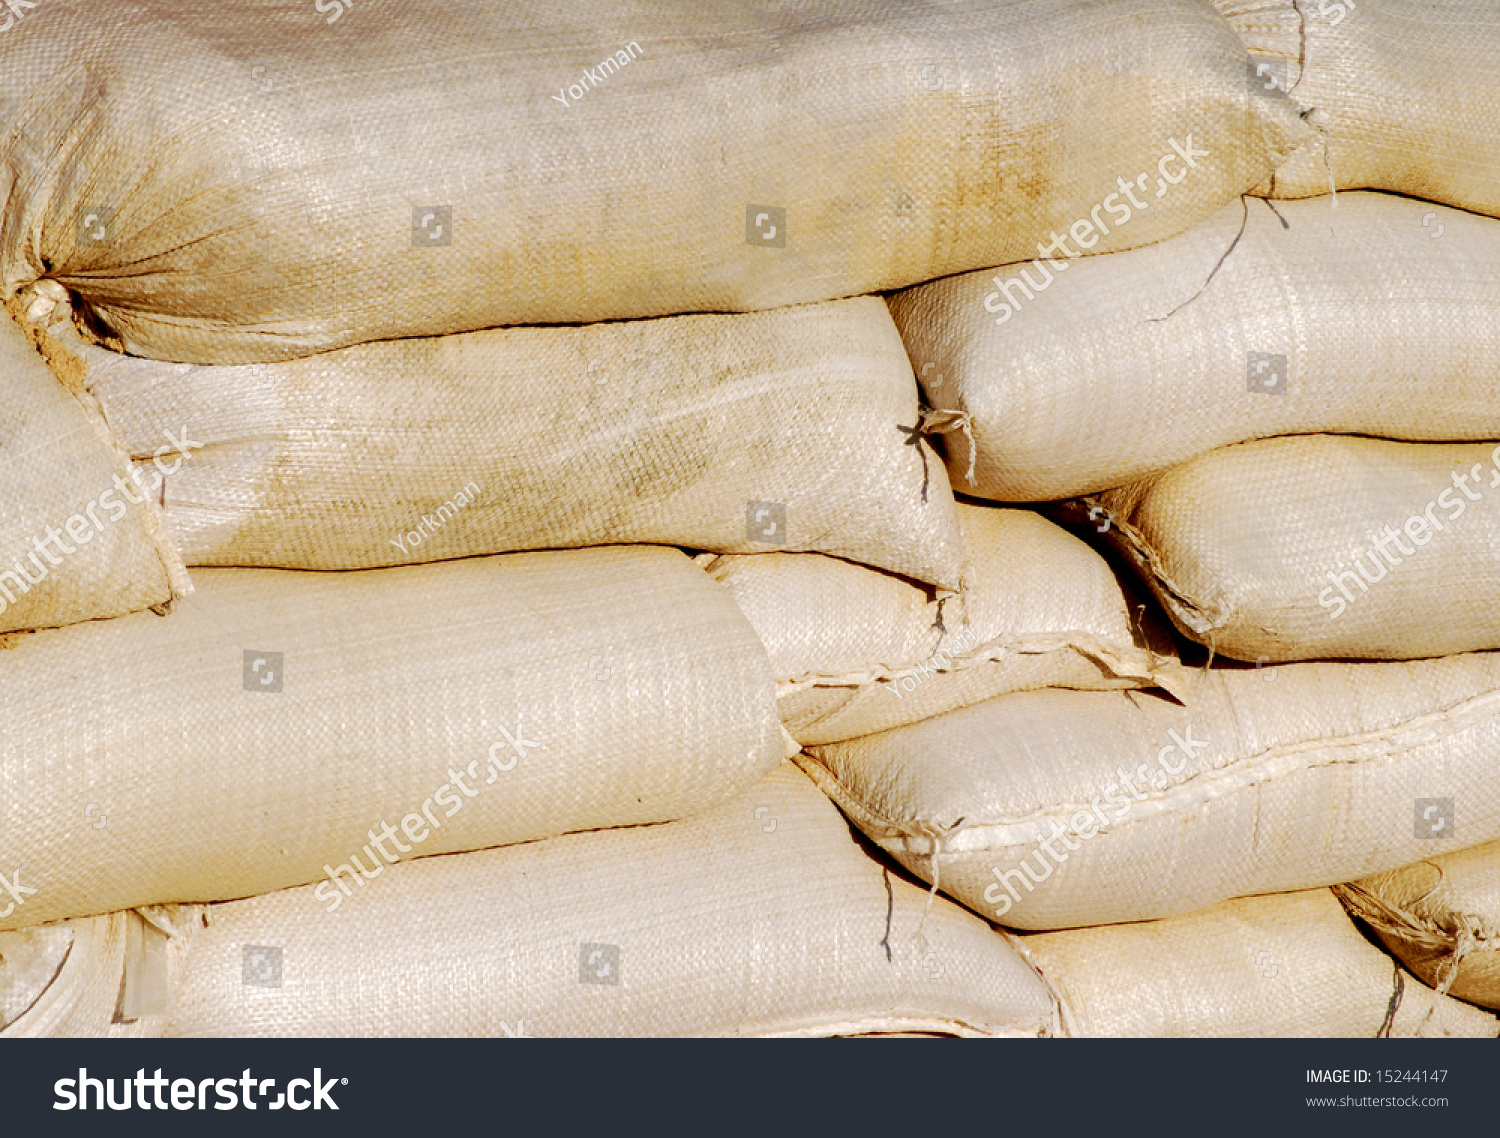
1261, 321
397, 170
1291, 965
795, 429
1055, 809
259, 736
762, 917
855, 651
1323, 546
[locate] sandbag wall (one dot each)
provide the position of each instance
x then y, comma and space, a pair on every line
509, 533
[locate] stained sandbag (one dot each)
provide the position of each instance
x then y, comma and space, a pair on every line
762, 917
270, 729
396, 170
1055, 809
77, 541
1322, 547
1286, 965
855, 651
796, 429
1441, 917
1347, 321
1404, 97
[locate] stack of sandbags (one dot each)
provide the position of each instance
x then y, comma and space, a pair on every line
287, 727
1266, 417
435, 545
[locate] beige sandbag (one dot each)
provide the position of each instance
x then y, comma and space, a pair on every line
91, 978
1286, 965
266, 733
1441, 916
77, 541
763, 917
795, 429
1348, 321
856, 651
1404, 96
1052, 809
1322, 547
399, 169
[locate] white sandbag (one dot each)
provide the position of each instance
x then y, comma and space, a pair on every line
393, 170
1054, 809
1441, 916
1322, 547
1348, 321
789, 430
763, 917
855, 651
77, 541
1405, 97
1290, 965
279, 725
99, 977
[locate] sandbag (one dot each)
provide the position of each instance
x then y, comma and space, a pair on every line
281, 727
1441, 917
400, 170
1404, 97
1286, 965
797, 429
1348, 321
101, 977
855, 651
1322, 547
1054, 809
762, 917
77, 541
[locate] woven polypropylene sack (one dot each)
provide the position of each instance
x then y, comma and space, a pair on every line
794, 429
1288, 965
1322, 547
1404, 97
393, 170
258, 737
763, 917
1054, 809
1441, 916
855, 651
1257, 322
103, 977
77, 541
